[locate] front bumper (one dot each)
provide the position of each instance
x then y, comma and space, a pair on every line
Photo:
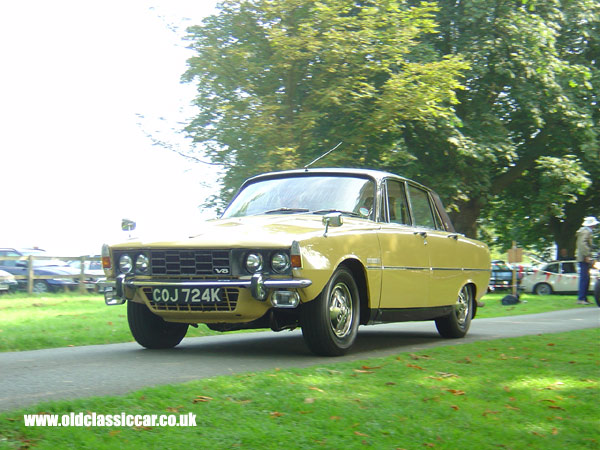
114, 291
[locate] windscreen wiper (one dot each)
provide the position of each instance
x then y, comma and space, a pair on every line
286, 210
346, 213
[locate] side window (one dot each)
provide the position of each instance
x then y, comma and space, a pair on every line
8, 263
421, 208
397, 206
568, 267
552, 268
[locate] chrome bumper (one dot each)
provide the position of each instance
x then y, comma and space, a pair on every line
114, 291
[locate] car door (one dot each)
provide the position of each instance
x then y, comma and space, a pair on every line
404, 252
445, 249
568, 281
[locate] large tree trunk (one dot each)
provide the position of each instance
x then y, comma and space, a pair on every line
465, 220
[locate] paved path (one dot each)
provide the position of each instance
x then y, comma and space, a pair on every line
30, 377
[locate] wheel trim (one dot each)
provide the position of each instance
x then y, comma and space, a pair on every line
39, 287
341, 313
543, 289
462, 307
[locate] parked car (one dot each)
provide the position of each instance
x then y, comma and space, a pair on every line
502, 276
326, 250
556, 277
94, 274
40, 268
7, 282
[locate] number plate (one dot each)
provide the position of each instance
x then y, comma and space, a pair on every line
187, 295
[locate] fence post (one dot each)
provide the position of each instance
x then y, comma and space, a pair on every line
82, 275
30, 274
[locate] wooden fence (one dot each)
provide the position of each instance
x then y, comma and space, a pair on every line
31, 276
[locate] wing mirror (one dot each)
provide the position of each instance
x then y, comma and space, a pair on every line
333, 220
127, 225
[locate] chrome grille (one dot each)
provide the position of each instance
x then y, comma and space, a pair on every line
228, 303
188, 262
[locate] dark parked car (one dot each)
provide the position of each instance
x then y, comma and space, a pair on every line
502, 276
46, 267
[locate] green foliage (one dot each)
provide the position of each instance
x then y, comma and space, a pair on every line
493, 103
279, 82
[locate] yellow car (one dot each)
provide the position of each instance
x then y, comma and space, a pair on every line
326, 250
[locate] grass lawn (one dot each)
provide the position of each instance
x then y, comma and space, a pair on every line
538, 392
61, 320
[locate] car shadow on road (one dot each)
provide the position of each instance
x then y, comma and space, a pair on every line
286, 345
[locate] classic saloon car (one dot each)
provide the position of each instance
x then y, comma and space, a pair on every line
326, 250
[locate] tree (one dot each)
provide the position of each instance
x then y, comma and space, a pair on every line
529, 110
281, 81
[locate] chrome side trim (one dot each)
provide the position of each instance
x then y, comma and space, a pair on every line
447, 269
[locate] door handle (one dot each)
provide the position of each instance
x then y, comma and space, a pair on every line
453, 236
423, 234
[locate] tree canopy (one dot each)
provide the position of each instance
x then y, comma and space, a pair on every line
281, 81
493, 103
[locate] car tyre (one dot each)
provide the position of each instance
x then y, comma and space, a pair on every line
542, 289
457, 323
40, 287
330, 322
150, 330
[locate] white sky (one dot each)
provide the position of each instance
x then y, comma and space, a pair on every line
74, 75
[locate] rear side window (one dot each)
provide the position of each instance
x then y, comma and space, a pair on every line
421, 208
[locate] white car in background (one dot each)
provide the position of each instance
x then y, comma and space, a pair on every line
556, 277
8, 283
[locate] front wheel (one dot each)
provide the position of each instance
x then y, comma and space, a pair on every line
330, 322
457, 323
150, 330
542, 289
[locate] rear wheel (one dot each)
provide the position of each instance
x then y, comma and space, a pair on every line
457, 323
330, 322
150, 330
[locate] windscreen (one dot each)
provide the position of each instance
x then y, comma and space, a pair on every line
311, 194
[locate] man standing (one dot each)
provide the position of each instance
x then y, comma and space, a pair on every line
584, 257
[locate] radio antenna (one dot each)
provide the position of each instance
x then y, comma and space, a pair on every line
322, 156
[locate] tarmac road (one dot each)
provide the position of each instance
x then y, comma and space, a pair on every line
27, 378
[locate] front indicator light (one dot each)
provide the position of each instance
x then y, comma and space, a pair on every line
295, 259
106, 263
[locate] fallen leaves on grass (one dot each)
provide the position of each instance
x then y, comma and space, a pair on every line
276, 414
413, 356
454, 391
201, 399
